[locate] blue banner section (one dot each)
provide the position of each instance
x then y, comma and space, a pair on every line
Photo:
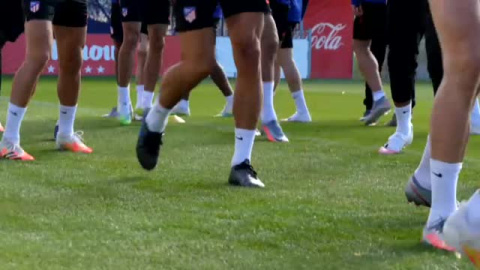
96, 27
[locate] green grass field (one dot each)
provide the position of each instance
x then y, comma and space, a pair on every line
331, 201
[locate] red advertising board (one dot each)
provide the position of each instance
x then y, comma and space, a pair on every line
331, 22
98, 56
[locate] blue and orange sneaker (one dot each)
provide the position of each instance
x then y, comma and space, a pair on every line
13, 151
433, 236
73, 143
417, 194
274, 132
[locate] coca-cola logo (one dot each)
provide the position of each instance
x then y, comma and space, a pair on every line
327, 36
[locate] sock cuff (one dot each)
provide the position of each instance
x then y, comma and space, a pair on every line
68, 107
15, 107
297, 93
407, 107
447, 167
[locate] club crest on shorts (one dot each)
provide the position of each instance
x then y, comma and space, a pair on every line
34, 6
124, 12
190, 14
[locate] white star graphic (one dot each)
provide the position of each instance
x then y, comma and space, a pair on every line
88, 69
100, 69
51, 69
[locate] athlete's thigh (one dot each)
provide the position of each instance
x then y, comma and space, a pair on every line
458, 25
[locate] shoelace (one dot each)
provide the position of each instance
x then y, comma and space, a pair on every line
247, 166
78, 136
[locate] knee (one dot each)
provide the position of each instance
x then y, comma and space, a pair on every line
38, 60
248, 51
157, 44
269, 46
130, 40
464, 67
72, 63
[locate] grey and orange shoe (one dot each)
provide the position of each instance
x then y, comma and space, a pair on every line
73, 143
433, 235
416, 194
273, 131
379, 108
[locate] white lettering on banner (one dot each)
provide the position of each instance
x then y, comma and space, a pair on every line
94, 53
97, 53
326, 36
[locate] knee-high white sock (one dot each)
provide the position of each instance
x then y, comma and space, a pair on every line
473, 212
147, 99
476, 113
15, 116
300, 102
157, 118
444, 189
124, 100
244, 140
66, 120
404, 119
140, 89
268, 110
422, 174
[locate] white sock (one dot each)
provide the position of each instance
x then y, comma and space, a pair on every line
444, 189
244, 139
422, 174
183, 103
473, 212
66, 120
147, 99
476, 113
124, 100
140, 90
378, 95
268, 111
404, 119
15, 116
300, 102
229, 105
157, 118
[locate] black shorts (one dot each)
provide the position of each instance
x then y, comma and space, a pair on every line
116, 29
69, 13
287, 42
146, 11
280, 16
198, 14
372, 23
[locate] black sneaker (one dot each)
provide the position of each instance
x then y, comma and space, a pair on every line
148, 146
244, 175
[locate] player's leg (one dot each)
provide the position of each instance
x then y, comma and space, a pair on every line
221, 81
126, 58
293, 78
245, 32
142, 51
365, 26
194, 23
270, 45
70, 28
458, 23
39, 39
404, 39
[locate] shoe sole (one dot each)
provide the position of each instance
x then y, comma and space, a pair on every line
376, 116
414, 196
271, 138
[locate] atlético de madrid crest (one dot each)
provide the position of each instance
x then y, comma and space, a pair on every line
124, 12
34, 6
190, 14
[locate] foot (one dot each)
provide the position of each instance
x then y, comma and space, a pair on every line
73, 143
274, 132
181, 110
433, 236
417, 194
1, 128
458, 233
244, 175
112, 114
13, 151
138, 114
396, 143
300, 118
367, 112
380, 107
148, 146
393, 122
226, 112
125, 119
